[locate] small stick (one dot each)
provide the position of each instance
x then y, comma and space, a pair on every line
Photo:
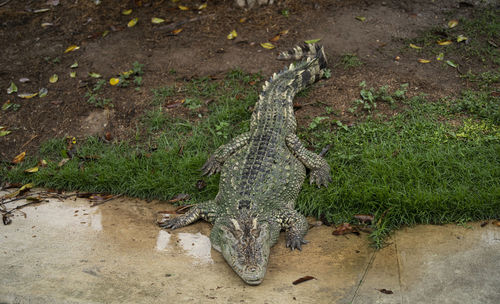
106, 200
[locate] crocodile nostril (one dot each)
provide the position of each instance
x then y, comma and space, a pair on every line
252, 268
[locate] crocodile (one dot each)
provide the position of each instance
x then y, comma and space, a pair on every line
262, 172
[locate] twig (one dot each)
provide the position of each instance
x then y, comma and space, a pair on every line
5, 3
173, 26
106, 200
32, 137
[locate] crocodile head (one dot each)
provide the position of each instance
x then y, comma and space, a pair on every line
245, 244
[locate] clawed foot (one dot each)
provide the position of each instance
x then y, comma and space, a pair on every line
321, 176
293, 242
172, 223
212, 166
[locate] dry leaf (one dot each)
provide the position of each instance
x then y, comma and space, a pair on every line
452, 23
386, 291
461, 38
54, 78
132, 22
19, 158
43, 92
4, 132
303, 279
232, 35
94, 75
440, 56
177, 31
413, 46
72, 74
361, 18
114, 81
179, 197
42, 163
444, 42
451, 63
202, 6
243, 20
71, 48
424, 61
155, 20
12, 88
31, 170
267, 45
47, 24
364, 217
183, 8
127, 12
62, 162
312, 41
275, 38
283, 32
343, 229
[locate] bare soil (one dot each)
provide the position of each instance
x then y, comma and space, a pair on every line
201, 49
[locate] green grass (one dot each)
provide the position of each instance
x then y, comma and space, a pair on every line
412, 168
348, 61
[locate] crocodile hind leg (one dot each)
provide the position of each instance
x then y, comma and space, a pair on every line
296, 227
206, 211
320, 170
214, 163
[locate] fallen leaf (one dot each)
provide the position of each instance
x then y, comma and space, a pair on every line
397, 58
43, 92
413, 46
424, 61
179, 197
74, 65
105, 33
243, 20
132, 22
6, 105
19, 158
452, 23
42, 163
71, 48
12, 88
444, 42
127, 12
202, 6
27, 95
24, 80
100, 197
312, 41
496, 223
62, 162
114, 81
484, 224
451, 63
283, 32
183, 8
232, 35
267, 45
95, 75
361, 18
345, 228
54, 78
41, 10
47, 24
440, 56
108, 136
177, 31
72, 74
364, 217
31, 170
155, 20
275, 38
4, 132
386, 291
303, 279
20, 191
461, 38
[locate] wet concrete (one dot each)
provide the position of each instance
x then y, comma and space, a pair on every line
68, 252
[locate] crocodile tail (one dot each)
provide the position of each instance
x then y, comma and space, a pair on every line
306, 51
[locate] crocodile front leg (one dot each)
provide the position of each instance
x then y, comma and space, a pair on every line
296, 227
215, 162
320, 170
206, 211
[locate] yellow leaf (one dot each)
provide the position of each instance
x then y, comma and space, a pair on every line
243, 20
424, 61
105, 33
132, 22
267, 45
440, 56
283, 32
444, 42
27, 95
71, 48
54, 78
413, 46
114, 81
31, 170
232, 35
47, 24
94, 75
127, 12
42, 163
19, 158
183, 8
72, 74
202, 6
361, 18
155, 20
452, 23
311, 41
176, 31
461, 38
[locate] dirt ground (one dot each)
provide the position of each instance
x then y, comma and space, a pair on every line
32, 49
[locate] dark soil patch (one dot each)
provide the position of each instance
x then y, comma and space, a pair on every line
200, 49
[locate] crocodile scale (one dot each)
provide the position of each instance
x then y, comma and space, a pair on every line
262, 172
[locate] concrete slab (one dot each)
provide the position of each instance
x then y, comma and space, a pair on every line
68, 252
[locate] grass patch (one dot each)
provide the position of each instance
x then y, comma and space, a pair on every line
348, 61
412, 168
